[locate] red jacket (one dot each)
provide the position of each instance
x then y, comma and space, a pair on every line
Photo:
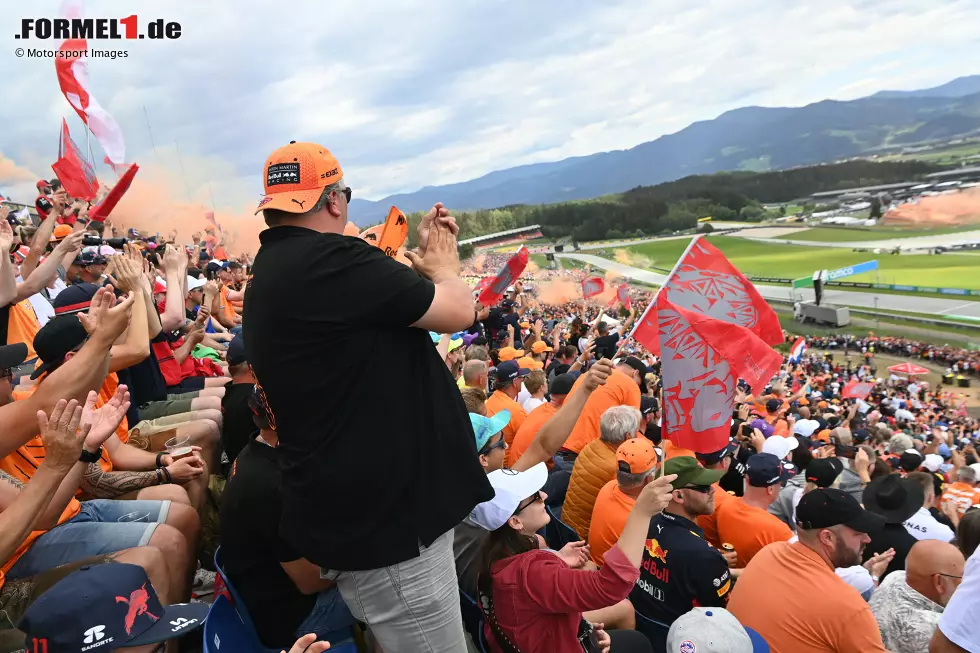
539, 601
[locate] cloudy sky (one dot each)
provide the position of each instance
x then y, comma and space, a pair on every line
410, 93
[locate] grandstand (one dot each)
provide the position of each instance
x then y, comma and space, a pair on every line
504, 237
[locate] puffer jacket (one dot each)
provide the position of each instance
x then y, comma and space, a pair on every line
594, 467
783, 506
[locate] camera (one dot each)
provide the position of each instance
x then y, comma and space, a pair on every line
96, 241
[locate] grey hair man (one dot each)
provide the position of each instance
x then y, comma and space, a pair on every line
475, 374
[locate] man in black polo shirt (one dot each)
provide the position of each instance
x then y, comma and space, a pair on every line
316, 302
680, 570
237, 428
284, 594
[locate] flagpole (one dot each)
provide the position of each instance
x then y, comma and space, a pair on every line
149, 131
183, 175
666, 281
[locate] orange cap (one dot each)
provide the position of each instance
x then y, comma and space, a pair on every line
636, 455
61, 231
529, 363
295, 176
540, 346
822, 404
803, 401
509, 354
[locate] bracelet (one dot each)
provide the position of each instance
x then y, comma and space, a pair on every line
159, 477
160, 456
166, 473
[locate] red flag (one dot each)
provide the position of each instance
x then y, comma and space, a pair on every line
101, 211
512, 270
704, 281
796, 385
623, 294
702, 360
593, 286
857, 389
73, 79
485, 283
73, 171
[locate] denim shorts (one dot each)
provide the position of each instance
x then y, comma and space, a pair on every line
94, 531
330, 619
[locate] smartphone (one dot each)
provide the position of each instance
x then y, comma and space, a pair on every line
845, 451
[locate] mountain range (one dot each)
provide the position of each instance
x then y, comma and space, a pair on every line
749, 138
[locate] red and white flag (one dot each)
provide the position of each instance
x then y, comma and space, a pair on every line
73, 170
856, 389
101, 211
511, 270
703, 281
623, 294
702, 359
593, 286
73, 79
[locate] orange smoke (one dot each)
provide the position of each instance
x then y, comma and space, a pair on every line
612, 282
479, 262
11, 173
959, 209
559, 291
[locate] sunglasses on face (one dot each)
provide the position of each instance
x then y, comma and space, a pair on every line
530, 502
703, 489
486, 451
347, 193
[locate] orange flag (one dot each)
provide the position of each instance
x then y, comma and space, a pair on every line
395, 232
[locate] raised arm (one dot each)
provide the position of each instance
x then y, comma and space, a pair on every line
42, 274
136, 346
8, 280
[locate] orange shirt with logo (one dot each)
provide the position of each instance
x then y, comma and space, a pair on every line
609, 515
748, 528
620, 390
497, 402
525, 434
796, 602
709, 523
963, 495
22, 326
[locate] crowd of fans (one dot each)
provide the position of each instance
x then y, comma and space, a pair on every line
300, 420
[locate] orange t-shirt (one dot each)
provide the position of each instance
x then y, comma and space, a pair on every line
709, 523
525, 434
963, 495
620, 390
612, 508
497, 402
748, 528
225, 304
22, 326
828, 615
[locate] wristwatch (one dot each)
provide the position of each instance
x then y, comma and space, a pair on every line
90, 457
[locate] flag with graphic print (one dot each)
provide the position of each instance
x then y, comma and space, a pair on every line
623, 294
510, 272
705, 282
593, 286
702, 358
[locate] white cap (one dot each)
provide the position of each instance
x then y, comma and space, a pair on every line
712, 630
806, 427
976, 468
932, 462
779, 446
194, 284
510, 488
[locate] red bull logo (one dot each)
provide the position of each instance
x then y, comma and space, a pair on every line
656, 551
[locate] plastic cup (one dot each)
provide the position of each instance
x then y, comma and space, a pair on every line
179, 447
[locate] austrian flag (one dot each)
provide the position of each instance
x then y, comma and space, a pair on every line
593, 286
511, 270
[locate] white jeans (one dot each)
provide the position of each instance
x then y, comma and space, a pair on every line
411, 607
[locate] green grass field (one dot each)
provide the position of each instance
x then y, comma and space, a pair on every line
760, 259
947, 154
844, 234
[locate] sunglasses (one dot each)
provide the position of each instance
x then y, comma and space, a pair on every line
703, 489
347, 193
530, 502
500, 445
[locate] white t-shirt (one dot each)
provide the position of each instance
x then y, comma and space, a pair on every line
42, 307
962, 614
531, 403
923, 526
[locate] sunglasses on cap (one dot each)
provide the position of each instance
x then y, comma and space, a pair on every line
530, 502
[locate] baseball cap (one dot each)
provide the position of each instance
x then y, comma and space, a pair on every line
826, 507
765, 427
540, 347
561, 385
455, 342
43, 183
944, 451
510, 487
910, 460
712, 630
55, 339
508, 303
779, 446
773, 405
765, 469
527, 363
824, 471
295, 176
86, 258
76, 298
236, 351
648, 405
194, 284
114, 603
486, 427
60, 231
932, 462
509, 354
12, 355
510, 370
715, 457
690, 473
636, 456
21, 253
806, 427
637, 365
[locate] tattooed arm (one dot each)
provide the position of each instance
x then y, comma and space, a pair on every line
109, 485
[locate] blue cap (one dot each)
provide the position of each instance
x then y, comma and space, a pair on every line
105, 607
765, 469
944, 451
236, 351
510, 370
486, 427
